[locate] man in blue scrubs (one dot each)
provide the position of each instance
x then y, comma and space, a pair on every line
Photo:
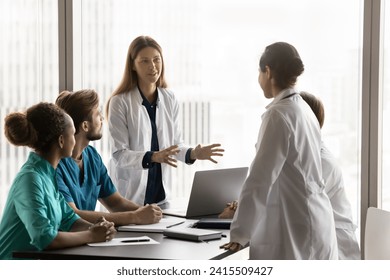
83, 178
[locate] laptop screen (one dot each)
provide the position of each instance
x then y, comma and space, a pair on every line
211, 190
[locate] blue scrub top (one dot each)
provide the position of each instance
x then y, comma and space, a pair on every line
84, 192
35, 210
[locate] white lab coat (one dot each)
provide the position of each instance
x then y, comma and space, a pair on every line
131, 133
348, 247
283, 211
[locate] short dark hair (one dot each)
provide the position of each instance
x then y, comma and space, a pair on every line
78, 105
285, 63
38, 127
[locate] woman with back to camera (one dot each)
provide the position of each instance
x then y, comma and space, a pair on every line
36, 216
348, 246
143, 121
283, 211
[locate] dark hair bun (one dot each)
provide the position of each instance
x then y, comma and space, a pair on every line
38, 128
284, 61
18, 130
294, 67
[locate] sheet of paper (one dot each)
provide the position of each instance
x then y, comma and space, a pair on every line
124, 241
158, 227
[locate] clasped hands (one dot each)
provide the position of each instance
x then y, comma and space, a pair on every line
103, 230
199, 152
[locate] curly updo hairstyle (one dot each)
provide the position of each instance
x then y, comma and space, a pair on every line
38, 128
285, 63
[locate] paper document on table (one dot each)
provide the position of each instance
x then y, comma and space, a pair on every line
123, 241
158, 227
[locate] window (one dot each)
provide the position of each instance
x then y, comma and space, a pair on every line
28, 70
211, 51
385, 91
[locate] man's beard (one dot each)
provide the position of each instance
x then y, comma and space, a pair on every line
92, 136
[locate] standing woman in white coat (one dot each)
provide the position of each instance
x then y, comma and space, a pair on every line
144, 128
348, 246
283, 211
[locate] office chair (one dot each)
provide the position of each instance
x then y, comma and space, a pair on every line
377, 235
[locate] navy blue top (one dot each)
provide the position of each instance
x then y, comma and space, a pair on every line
154, 188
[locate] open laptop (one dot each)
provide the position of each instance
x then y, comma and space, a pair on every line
211, 190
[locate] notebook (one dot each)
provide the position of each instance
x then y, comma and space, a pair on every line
163, 224
193, 234
215, 223
211, 190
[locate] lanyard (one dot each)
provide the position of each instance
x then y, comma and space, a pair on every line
289, 95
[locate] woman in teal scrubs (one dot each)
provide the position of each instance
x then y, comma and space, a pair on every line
36, 216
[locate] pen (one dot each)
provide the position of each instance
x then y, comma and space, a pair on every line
179, 223
135, 240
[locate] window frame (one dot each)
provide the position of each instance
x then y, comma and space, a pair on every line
371, 129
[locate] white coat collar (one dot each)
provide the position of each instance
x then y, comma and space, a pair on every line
138, 96
281, 95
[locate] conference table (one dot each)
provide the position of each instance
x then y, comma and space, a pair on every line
166, 249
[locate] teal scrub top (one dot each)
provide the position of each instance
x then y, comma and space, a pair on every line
86, 190
35, 210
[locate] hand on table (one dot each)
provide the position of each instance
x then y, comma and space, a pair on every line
229, 210
102, 230
148, 214
232, 246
